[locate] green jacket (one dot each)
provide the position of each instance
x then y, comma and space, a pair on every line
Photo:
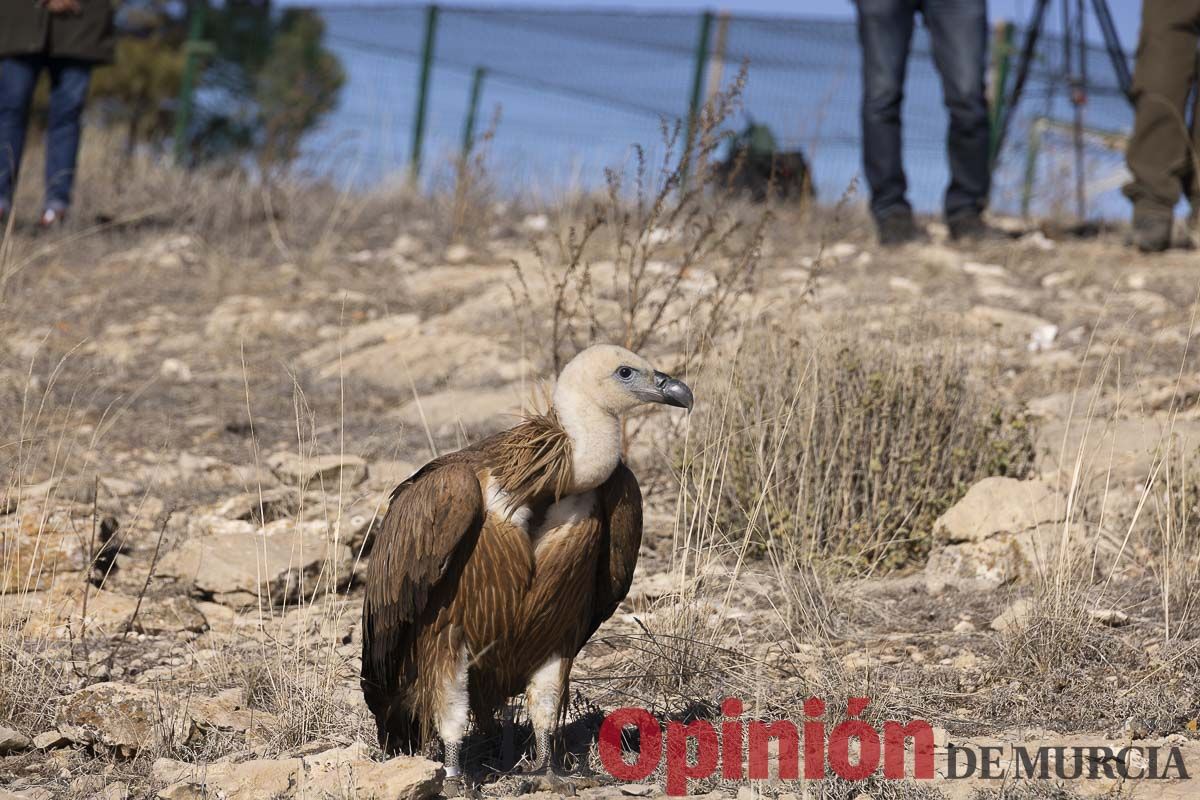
28, 29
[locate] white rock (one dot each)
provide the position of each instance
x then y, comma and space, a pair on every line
1013, 617
175, 370
1042, 338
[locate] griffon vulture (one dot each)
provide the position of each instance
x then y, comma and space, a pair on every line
496, 563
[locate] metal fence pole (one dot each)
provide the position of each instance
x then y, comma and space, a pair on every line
418, 135
1032, 150
187, 82
1001, 61
472, 109
697, 95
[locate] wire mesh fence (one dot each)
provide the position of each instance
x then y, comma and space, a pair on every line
567, 92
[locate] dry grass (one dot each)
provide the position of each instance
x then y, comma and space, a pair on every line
661, 260
844, 449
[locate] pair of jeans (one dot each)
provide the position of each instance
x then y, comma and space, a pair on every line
69, 80
958, 36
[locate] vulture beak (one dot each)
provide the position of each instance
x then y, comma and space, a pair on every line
672, 392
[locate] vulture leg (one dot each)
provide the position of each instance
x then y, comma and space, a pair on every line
452, 714
545, 698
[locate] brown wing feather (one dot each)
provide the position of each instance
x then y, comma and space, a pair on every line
621, 518
427, 535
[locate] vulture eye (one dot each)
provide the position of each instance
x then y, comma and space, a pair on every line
625, 373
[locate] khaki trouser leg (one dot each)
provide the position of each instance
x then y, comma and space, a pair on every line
1158, 152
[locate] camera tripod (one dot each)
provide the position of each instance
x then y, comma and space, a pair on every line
1074, 72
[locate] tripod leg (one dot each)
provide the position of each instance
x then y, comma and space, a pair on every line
1024, 64
1112, 43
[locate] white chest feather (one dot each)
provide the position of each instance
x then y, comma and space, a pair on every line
500, 503
562, 517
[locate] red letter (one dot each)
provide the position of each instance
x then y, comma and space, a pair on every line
814, 740
678, 767
649, 744
894, 735
731, 740
868, 739
784, 731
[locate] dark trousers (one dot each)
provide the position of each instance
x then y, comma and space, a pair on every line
68, 89
958, 33
1160, 154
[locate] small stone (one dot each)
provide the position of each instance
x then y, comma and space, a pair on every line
13, 741
637, 790
458, 254
328, 472
175, 370
964, 626
1112, 617
1014, 616
116, 791
51, 740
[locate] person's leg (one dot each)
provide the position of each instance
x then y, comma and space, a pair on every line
18, 76
1158, 150
958, 36
68, 89
884, 33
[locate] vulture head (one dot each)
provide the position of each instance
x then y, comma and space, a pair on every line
612, 380
594, 389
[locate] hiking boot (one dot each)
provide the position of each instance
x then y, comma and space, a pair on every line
1151, 230
897, 228
972, 228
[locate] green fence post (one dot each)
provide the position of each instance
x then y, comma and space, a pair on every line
1033, 149
418, 136
1002, 48
698, 73
468, 140
187, 82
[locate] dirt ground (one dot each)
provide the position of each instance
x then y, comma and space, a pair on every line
204, 420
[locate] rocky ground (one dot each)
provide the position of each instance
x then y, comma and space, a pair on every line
200, 437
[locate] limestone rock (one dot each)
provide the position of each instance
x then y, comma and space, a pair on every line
39, 549
1014, 616
1015, 327
999, 532
60, 612
386, 475
328, 775
477, 411
428, 363
1001, 505
121, 716
163, 615
280, 560
50, 740
13, 741
243, 317
328, 473
356, 338
439, 289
